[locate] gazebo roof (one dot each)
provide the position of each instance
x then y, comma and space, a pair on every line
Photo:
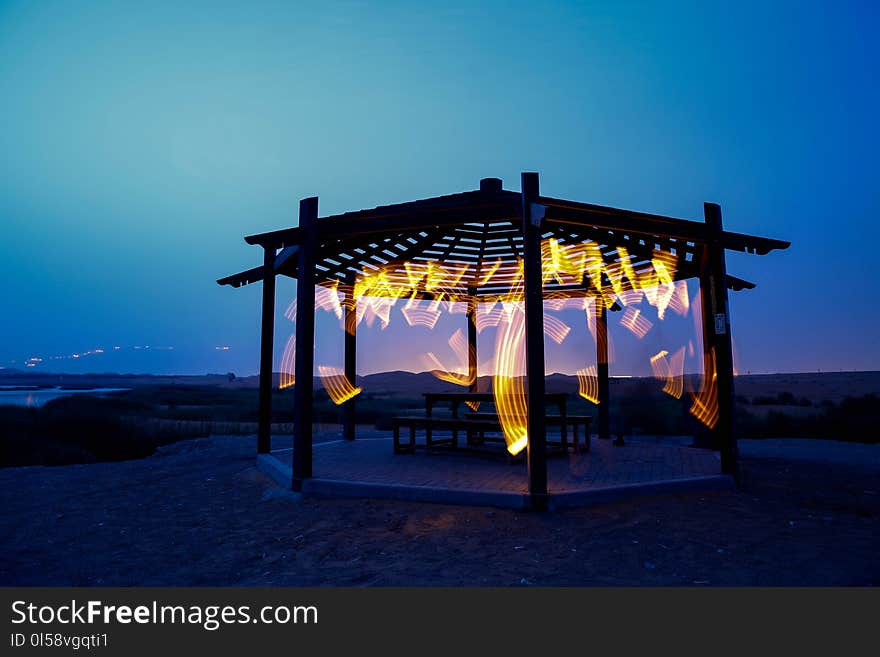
470, 244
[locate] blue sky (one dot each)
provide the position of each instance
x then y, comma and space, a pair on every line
140, 141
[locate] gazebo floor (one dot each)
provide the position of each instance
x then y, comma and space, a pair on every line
368, 468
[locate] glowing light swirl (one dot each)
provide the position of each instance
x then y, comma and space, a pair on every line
670, 371
588, 384
508, 388
632, 319
421, 314
327, 298
705, 404
337, 385
287, 377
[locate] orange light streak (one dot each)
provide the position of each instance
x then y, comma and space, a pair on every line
554, 262
660, 365
287, 378
508, 386
555, 329
593, 263
679, 302
443, 373
369, 309
591, 310
421, 314
632, 319
670, 371
459, 346
327, 298
626, 266
665, 288
488, 316
337, 385
705, 405
588, 384
630, 297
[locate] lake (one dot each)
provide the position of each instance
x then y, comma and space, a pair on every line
18, 396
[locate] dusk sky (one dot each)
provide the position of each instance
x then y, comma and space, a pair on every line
140, 141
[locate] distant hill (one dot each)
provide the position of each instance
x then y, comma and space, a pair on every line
817, 387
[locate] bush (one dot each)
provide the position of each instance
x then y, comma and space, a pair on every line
71, 430
855, 419
782, 399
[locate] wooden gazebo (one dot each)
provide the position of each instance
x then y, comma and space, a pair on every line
495, 240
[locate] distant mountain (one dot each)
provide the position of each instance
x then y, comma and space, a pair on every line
831, 386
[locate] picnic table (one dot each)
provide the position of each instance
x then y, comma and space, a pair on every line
459, 398
476, 425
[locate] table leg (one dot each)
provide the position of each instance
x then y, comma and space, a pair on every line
563, 418
429, 408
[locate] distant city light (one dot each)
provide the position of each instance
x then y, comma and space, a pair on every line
33, 361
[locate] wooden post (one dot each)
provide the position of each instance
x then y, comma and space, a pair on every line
716, 336
604, 408
706, 438
348, 408
472, 338
267, 338
534, 342
305, 344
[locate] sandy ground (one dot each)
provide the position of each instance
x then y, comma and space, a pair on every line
199, 513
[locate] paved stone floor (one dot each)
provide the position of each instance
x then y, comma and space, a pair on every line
370, 460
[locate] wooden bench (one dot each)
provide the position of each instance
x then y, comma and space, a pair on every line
575, 422
563, 422
470, 426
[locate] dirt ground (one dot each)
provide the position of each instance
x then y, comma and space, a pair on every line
199, 513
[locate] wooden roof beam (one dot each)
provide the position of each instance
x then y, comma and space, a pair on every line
599, 216
457, 209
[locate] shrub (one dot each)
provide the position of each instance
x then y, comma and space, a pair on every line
71, 430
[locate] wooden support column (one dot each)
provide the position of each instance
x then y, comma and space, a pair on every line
267, 339
717, 346
349, 407
305, 344
532, 216
602, 376
472, 338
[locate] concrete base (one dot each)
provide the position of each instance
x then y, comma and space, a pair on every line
281, 473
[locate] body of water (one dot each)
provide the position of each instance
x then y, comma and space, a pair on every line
39, 396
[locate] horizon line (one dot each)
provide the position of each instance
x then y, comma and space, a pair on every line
401, 371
